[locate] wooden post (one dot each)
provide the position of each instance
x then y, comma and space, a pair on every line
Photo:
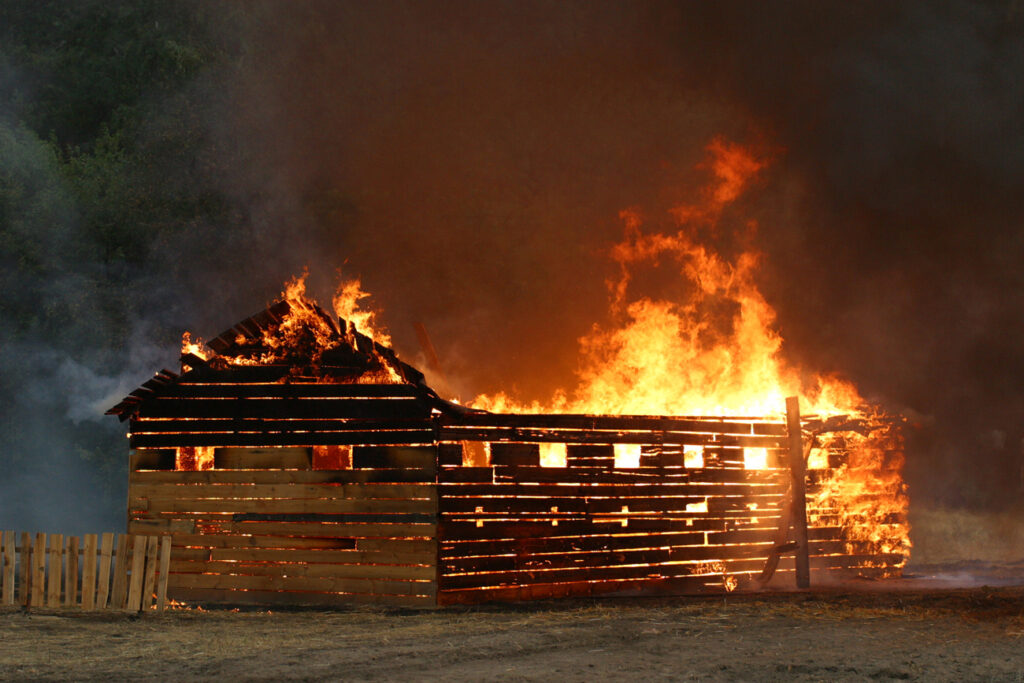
165, 566
53, 588
149, 580
138, 565
106, 552
8, 562
89, 573
798, 470
39, 571
119, 590
26, 571
71, 573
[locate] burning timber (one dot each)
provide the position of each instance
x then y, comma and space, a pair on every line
296, 460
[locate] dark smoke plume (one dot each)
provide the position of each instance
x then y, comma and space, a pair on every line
469, 160
483, 152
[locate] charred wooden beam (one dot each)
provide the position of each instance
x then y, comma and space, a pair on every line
798, 471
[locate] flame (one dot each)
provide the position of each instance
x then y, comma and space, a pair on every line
347, 307
303, 333
306, 332
196, 348
194, 458
715, 351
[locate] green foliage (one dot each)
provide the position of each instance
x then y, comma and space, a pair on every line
105, 160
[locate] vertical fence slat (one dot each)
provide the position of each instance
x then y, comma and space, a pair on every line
106, 548
55, 570
120, 573
39, 571
165, 566
149, 584
26, 569
8, 561
71, 573
89, 573
138, 565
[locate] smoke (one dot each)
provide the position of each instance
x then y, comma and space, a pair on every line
469, 161
473, 158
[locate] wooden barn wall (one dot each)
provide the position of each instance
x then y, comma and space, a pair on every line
286, 534
282, 414
408, 523
517, 530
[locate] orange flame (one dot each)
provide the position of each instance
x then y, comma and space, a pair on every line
348, 307
716, 351
306, 332
196, 348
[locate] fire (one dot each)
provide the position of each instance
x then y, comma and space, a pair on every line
347, 307
715, 351
193, 347
306, 332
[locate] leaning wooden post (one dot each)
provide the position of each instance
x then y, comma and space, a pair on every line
798, 470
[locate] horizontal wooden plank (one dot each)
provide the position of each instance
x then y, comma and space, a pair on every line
238, 425
301, 583
397, 555
607, 489
307, 438
520, 435
263, 458
619, 556
450, 566
349, 517
341, 571
287, 390
286, 408
589, 505
428, 546
290, 490
560, 575
617, 422
329, 530
652, 572
285, 477
454, 530
555, 544
270, 598
149, 527
569, 475
647, 586
280, 542
283, 505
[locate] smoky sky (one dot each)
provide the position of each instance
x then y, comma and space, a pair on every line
470, 160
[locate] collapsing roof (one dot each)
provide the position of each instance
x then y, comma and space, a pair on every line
290, 341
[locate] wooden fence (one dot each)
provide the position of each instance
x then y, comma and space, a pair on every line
91, 573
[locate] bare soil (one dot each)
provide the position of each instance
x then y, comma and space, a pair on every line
965, 634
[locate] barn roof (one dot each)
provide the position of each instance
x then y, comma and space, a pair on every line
291, 341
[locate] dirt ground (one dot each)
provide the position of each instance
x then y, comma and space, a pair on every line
963, 634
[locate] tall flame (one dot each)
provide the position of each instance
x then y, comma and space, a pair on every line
715, 351
348, 306
306, 332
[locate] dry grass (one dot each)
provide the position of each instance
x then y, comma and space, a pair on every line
835, 635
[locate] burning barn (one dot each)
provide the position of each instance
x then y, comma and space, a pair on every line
296, 460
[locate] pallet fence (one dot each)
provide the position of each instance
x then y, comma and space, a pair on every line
91, 573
